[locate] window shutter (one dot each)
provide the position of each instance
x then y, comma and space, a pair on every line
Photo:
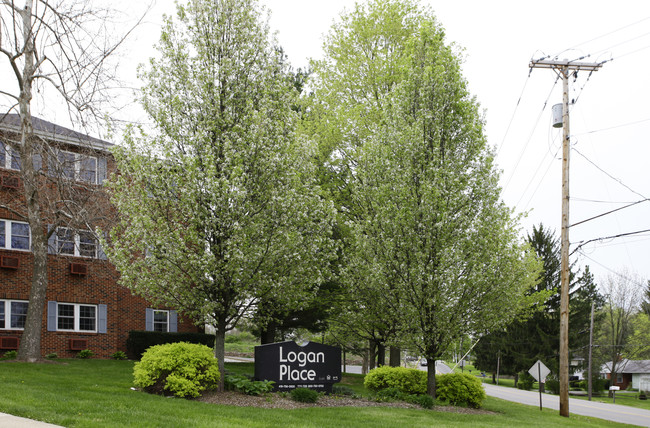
102, 170
173, 321
101, 316
148, 319
51, 241
51, 316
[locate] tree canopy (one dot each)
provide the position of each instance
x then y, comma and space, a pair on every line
218, 205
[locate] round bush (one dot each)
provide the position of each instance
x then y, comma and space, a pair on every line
181, 369
408, 381
304, 395
460, 389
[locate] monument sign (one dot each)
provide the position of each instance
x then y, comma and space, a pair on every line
289, 365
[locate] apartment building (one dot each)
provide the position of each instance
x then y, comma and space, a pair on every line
86, 308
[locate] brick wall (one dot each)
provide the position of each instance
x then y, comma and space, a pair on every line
124, 311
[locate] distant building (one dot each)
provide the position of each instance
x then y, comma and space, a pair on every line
86, 308
634, 373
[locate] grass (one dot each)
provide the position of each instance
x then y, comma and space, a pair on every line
96, 393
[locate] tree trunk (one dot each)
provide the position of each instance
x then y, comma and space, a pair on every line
394, 358
381, 354
268, 334
220, 351
516, 379
431, 377
494, 380
30, 342
371, 355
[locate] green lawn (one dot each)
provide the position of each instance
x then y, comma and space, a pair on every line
96, 393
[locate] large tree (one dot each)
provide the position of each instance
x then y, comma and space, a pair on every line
218, 206
60, 49
623, 294
433, 234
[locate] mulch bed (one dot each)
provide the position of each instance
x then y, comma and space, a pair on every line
276, 401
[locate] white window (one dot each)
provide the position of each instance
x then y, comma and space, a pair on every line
75, 243
14, 235
76, 317
13, 314
9, 157
160, 320
75, 166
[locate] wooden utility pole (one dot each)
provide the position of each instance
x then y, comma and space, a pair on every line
591, 344
564, 68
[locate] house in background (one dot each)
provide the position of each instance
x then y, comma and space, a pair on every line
86, 308
634, 373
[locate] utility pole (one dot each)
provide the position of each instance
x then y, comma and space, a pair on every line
591, 344
564, 68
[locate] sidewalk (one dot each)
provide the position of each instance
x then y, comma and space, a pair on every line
10, 421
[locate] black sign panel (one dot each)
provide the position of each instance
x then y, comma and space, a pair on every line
290, 365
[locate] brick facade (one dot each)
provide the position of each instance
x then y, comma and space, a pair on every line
98, 287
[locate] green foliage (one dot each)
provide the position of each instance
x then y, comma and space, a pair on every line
525, 381
139, 341
10, 355
52, 356
423, 400
181, 369
243, 336
119, 355
408, 381
247, 386
460, 390
343, 390
390, 393
304, 395
552, 385
597, 384
86, 353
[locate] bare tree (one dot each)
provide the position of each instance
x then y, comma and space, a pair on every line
623, 292
61, 48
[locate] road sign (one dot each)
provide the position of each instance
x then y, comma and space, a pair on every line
539, 371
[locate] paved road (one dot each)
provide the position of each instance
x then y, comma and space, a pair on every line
611, 412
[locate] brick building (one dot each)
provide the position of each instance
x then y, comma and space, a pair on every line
86, 308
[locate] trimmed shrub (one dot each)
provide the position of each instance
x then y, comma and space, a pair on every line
304, 395
459, 389
525, 381
408, 381
139, 341
86, 353
181, 369
243, 336
389, 394
118, 355
52, 356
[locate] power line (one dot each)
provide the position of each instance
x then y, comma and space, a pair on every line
530, 137
620, 275
514, 112
620, 235
613, 127
608, 212
607, 34
609, 175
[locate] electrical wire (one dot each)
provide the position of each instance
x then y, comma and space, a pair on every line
606, 34
608, 212
620, 235
530, 137
620, 275
613, 127
609, 175
514, 112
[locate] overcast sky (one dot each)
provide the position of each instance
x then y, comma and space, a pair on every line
610, 121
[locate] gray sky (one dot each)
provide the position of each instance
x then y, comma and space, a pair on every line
610, 122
